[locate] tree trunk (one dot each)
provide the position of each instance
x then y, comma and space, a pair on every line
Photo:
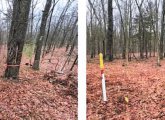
109, 47
141, 29
40, 37
158, 40
17, 35
162, 30
105, 28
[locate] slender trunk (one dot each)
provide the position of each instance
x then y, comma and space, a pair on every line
158, 40
141, 28
162, 30
41, 35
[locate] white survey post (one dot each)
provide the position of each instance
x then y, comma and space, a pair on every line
103, 77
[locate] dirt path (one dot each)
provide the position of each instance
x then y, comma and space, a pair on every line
142, 82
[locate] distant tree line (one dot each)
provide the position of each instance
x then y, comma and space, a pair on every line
127, 29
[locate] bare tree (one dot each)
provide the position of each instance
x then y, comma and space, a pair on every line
50, 19
162, 30
109, 43
41, 35
17, 34
57, 28
141, 28
33, 6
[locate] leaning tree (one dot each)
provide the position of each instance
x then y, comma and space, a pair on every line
41, 34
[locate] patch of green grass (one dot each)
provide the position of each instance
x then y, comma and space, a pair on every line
28, 50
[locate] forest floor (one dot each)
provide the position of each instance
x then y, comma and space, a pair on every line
142, 82
40, 95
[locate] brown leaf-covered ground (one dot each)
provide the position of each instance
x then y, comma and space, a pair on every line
37, 95
141, 81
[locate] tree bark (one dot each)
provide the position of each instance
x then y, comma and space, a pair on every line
41, 35
158, 40
17, 35
162, 30
109, 44
141, 28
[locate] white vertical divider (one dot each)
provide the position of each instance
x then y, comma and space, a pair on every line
82, 59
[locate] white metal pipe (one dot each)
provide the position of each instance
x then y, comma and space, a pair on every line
104, 88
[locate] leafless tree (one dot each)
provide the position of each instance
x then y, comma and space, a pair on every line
17, 37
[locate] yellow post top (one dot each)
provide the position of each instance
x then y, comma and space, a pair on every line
101, 61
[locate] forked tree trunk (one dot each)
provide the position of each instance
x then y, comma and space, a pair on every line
41, 34
17, 35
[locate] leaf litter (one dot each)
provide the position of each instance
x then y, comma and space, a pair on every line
134, 92
40, 95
